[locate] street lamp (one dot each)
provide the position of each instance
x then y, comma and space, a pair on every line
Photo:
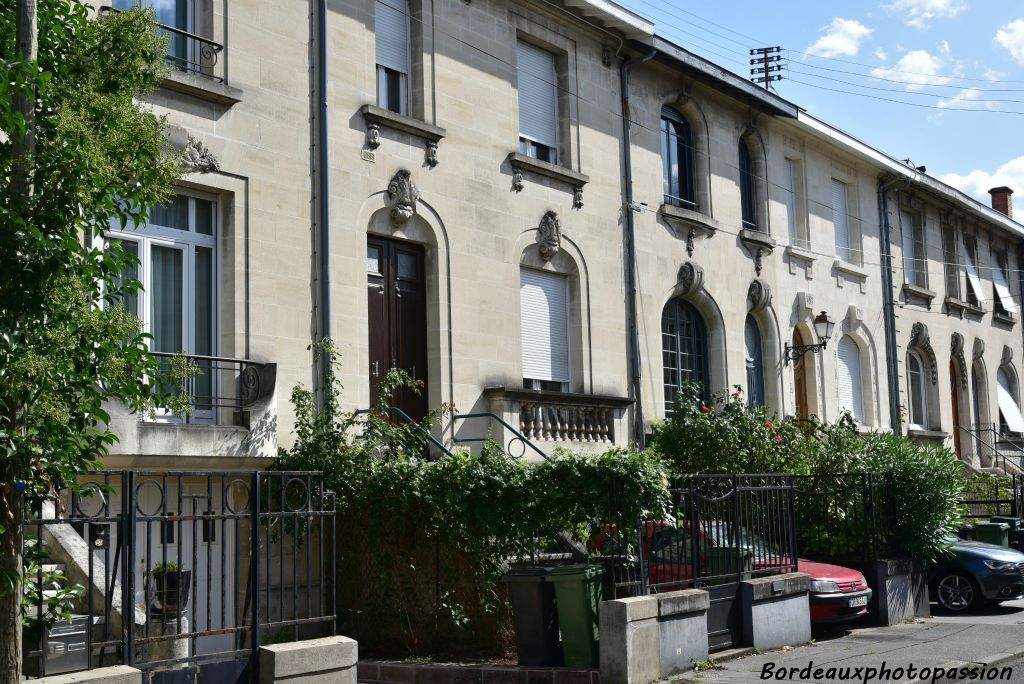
823, 325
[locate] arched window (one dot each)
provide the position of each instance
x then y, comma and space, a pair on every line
747, 188
755, 362
1010, 419
851, 387
684, 344
677, 159
917, 388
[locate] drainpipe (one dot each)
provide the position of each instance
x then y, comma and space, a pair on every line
627, 182
323, 197
888, 305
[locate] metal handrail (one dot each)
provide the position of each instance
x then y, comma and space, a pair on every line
209, 50
519, 437
410, 421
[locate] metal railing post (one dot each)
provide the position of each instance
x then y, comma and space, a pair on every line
254, 574
127, 533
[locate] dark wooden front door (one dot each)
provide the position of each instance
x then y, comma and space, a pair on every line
397, 294
955, 397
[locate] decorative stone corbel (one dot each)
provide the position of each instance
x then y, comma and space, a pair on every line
691, 278
372, 135
431, 153
517, 180
198, 158
759, 295
957, 349
919, 340
758, 244
402, 198
577, 197
979, 348
549, 235
1007, 356
689, 242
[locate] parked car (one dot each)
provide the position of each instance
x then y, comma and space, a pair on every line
838, 594
975, 573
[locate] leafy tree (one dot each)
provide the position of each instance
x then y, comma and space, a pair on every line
83, 155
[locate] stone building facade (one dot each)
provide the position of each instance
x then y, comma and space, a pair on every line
545, 212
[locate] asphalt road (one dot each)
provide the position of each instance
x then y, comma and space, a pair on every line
1009, 613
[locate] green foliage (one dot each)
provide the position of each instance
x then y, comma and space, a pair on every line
98, 159
481, 509
162, 568
729, 436
987, 487
47, 589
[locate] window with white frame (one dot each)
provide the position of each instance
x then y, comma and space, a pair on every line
1003, 300
915, 259
975, 290
391, 25
849, 378
841, 220
917, 397
544, 316
951, 261
792, 185
177, 267
538, 102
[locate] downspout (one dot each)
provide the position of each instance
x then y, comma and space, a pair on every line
888, 305
628, 208
323, 198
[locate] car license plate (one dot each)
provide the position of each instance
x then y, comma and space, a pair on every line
858, 601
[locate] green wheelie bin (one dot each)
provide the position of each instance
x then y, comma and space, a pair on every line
992, 532
577, 595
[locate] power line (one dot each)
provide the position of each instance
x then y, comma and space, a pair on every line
918, 82
903, 90
910, 104
909, 83
897, 71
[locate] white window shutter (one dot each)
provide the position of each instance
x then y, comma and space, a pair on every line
544, 312
909, 253
851, 387
391, 24
841, 219
538, 96
973, 278
1008, 402
1003, 290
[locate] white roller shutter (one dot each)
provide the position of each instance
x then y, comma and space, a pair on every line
1003, 290
841, 220
909, 253
1008, 403
391, 23
973, 279
544, 312
851, 386
538, 96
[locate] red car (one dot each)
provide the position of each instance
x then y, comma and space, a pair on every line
838, 594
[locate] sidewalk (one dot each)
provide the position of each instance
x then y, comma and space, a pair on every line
927, 643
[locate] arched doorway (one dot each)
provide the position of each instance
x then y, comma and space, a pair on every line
684, 349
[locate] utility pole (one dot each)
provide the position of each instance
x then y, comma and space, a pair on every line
766, 67
11, 547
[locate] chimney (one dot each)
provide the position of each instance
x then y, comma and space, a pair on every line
1001, 200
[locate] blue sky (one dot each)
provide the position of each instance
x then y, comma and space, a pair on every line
961, 60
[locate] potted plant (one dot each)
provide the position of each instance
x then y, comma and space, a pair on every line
169, 587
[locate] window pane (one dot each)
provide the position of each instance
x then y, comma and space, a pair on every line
130, 302
166, 294
203, 384
174, 214
372, 259
204, 216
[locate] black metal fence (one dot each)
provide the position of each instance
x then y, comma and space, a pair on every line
1004, 496
172, 569
845, 517
721, 529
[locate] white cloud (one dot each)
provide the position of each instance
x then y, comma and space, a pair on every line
919, 13
977, 183
918, 68
881, 54
1011, 37
841, 38
965, 99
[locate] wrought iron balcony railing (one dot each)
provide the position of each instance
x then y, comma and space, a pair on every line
189, 52
220, 390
